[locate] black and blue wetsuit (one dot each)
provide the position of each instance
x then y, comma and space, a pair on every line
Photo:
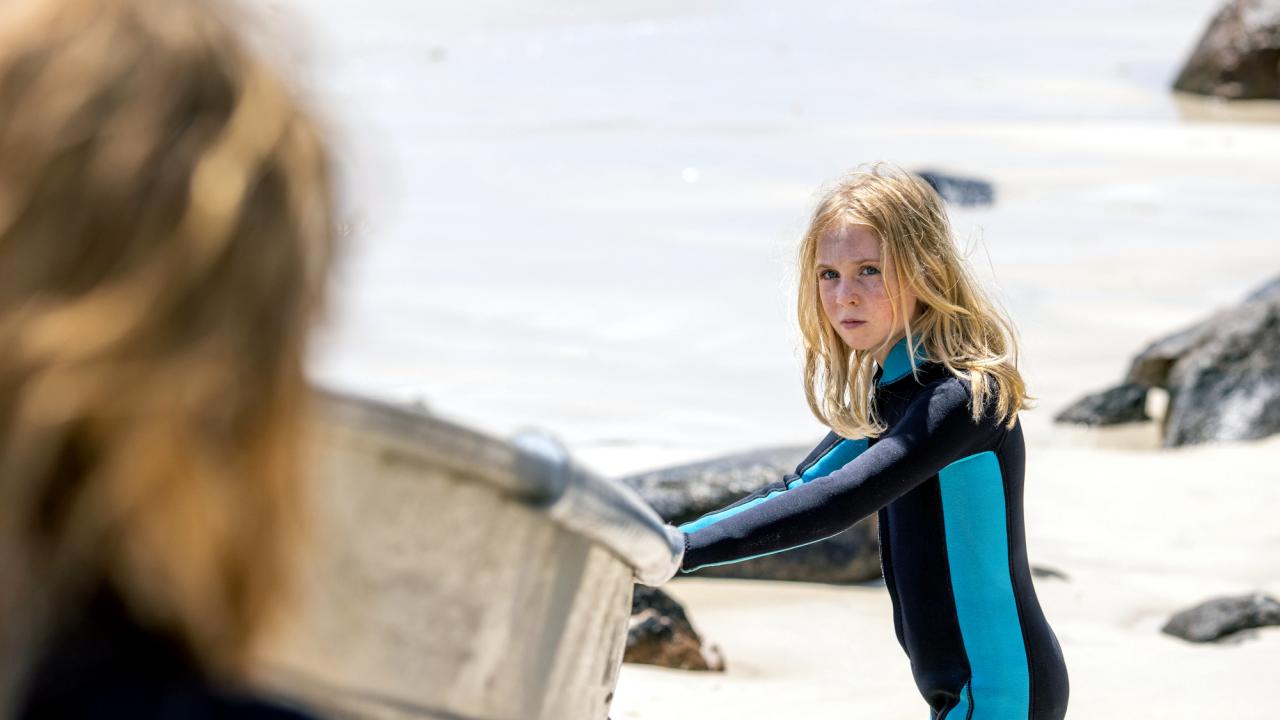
952, 543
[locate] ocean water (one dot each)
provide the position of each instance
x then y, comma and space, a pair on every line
581, 217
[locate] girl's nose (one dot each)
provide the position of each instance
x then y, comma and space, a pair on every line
846, 294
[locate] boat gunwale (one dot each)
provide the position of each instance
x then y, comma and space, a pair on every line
533, 468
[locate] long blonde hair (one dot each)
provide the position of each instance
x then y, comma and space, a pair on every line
958, 325
165, 235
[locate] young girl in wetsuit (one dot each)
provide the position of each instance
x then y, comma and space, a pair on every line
914, 370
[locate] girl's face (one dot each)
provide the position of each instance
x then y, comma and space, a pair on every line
856, 290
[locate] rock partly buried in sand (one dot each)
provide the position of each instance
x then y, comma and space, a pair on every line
1222, 374
1044, 571
1220, 617
1121, 404
960, 191
687, 492
661, 634
1238, 57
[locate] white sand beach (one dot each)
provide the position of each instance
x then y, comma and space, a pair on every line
1139, 534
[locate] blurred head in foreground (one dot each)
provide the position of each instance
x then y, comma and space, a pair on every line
878, 262
165, 234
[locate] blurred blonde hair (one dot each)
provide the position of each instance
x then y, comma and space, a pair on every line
958, 325
165, 235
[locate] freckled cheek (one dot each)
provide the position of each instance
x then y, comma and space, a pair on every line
828, 304
874, 290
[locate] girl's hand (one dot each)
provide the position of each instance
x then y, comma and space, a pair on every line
676, 543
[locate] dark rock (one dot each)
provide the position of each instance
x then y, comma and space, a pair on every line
1222, 376
660, 634
1220, 617
960, 191
1238, 57
1121, 404
1043, 571
1228, 388
686, 492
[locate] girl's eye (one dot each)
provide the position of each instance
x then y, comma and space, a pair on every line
868, 267
828, 275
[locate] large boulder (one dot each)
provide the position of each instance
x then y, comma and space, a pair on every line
1154, 366
660, 633
1222, 376
1217, 618
687, 492
1238, 56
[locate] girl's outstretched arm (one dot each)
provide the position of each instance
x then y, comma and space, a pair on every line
935, 430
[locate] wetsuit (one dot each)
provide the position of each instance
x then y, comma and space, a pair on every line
952, 545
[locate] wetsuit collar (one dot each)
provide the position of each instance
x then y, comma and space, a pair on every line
898, 363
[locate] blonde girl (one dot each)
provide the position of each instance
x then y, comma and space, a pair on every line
914, 370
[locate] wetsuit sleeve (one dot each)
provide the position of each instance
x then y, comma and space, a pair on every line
935, 430
767, 491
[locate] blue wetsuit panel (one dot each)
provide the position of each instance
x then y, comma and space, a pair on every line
978, 550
